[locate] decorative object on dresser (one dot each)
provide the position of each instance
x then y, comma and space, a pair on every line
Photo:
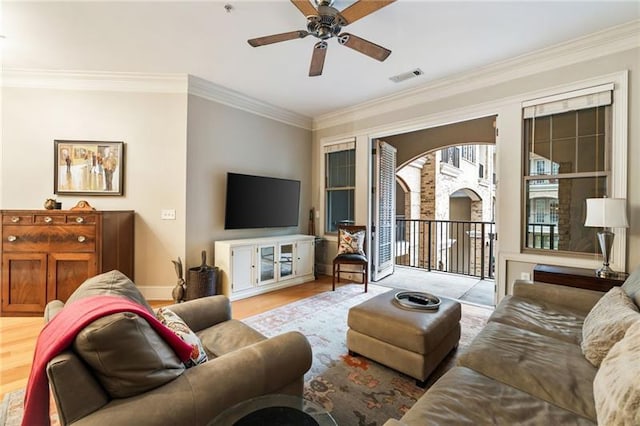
47, 254
88, 167
258, 265
606, 213
82, 205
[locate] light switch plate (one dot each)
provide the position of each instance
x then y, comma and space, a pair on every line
168, 214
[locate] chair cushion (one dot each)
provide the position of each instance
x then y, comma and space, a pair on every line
169, 318
228, 336
351, 242
616, 388
113, 283
607, 323
351, 257
126, 355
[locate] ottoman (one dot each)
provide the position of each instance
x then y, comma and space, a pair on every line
411, 341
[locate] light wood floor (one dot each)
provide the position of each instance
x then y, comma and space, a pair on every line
18, 335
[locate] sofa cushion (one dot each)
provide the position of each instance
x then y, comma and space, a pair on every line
541, 317
545, 367
465, 397
113, 283
227, 337
606, 324
616, 387
126, 354
181, 329
631, 286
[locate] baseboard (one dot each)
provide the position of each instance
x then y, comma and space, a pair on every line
156, 292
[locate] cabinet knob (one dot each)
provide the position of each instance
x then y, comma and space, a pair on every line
15, 219
48, 219
79, 219
12, 238
81, 238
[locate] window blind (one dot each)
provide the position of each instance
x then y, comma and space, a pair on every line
343, 146
570, 101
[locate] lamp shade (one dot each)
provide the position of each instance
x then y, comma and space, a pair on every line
607, 213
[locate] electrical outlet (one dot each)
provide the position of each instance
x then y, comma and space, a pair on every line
525, 276
168, 214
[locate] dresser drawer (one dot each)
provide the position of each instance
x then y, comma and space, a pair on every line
46, 219
80, 219
39, 238
19, 218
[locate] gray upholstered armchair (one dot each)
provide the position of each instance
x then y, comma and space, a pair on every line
242, 364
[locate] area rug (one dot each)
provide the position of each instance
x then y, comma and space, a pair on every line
356, 391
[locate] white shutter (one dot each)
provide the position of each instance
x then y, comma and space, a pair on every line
385, 214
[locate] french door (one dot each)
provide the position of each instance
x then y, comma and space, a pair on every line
384, 202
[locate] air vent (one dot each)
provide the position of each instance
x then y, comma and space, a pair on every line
406, 76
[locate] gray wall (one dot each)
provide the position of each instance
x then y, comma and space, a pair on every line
222, 139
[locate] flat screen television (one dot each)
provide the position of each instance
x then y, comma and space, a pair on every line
261, 202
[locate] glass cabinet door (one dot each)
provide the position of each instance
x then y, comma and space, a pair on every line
267, 263
286, 260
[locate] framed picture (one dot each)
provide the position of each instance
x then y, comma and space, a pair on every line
88, 168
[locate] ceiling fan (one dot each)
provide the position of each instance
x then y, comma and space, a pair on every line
326, 22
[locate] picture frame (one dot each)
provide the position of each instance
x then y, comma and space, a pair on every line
88, 167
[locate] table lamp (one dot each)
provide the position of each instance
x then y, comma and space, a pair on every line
606, 213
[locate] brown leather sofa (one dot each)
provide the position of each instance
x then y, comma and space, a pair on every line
527, 366
242, 364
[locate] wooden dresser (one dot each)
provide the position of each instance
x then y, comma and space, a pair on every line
47, 254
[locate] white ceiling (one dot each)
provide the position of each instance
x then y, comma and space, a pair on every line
200, 38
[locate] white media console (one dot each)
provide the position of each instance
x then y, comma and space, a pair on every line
259, 265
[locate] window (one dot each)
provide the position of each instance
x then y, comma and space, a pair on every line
340, 183
469, 153
569, 142
481, 171
451, 156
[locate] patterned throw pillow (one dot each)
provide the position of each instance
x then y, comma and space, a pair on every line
616, 388
350, 242
606, 324
177, 325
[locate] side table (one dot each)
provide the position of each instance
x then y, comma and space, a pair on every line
576, 277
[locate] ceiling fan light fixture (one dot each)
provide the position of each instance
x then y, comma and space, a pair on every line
325, 22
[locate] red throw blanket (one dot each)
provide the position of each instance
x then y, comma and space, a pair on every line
60, 332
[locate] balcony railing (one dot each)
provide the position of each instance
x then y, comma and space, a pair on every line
542, 235
459, 247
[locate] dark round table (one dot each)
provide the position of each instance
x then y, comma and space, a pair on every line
280, 410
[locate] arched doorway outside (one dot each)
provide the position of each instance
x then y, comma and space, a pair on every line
445, 212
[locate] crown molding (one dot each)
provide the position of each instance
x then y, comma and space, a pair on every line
214, 92
148, 83
94, 80
606, 42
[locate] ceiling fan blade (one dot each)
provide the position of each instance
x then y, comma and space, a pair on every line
317, 59
305, 7
363, 46
276, 38
362, 8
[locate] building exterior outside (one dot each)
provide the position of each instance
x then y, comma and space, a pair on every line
454, 189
